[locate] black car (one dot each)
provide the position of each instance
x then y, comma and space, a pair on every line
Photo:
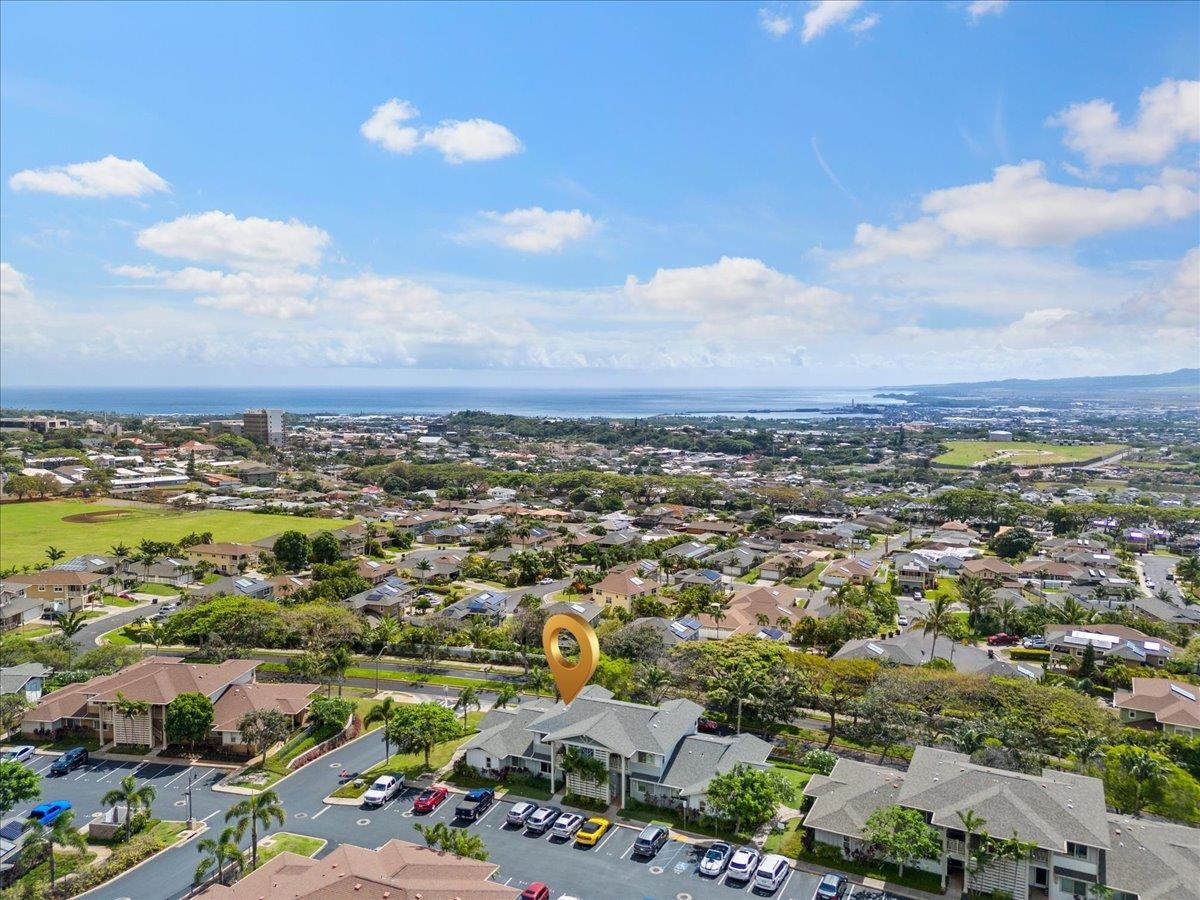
475, 804
72, 759
650, 841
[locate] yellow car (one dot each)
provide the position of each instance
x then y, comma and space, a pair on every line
591, 831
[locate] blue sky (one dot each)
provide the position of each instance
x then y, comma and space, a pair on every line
787, 194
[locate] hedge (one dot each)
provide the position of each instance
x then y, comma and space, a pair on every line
1029, 654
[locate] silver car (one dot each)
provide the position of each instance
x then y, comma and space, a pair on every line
742, 865
566, 826
716, 859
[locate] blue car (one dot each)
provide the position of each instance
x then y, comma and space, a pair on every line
46, 813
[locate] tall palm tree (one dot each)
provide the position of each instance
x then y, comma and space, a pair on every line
42, 839
222, 852
70, 624
54, 554
1072, 612
653, 682
122, 554
133, 797
937, 620
505, 695
130, 709
468, 697
977, 595
334, 665
423, 566
539, 680
385, 635
1006, 613
383, 711
257, 809
718, 614
1146, 770
972, 824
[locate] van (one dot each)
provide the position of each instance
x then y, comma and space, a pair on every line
771, 873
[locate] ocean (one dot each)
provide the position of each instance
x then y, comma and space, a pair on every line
777, 403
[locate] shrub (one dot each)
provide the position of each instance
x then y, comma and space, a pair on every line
1029, 654
819, 761
330, 712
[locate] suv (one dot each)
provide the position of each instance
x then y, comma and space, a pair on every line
742, 865
72, 759
520, 813
831, 887
566, 825
542, 819
650, 841
772, 872
475, 804
1035, 642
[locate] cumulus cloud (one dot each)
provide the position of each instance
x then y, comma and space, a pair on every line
108, 177
775, 24
1020, 207
473, 140
14, 287
823, 15
1168, 116
223, 238
278, 295
533, 230
977, 9
21, 319
1175, 304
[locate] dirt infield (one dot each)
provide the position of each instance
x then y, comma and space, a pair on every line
103, 515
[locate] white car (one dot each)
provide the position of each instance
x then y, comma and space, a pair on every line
1150, 583
19, 753
385, 788
742, 865
566, 826
771, 873
902, 621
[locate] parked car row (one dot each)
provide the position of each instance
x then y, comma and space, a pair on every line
745, 864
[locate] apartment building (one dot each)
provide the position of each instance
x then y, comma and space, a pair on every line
264, 426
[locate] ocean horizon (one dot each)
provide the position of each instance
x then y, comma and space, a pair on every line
561, 402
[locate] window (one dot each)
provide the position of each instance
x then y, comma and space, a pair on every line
647, 758
58, 589
1073, 887
1077, 851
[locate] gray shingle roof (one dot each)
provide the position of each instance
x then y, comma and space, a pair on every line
701, 757
624, 728
1155, 860
846, 797
505, 732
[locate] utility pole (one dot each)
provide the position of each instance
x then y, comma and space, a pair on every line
191, 821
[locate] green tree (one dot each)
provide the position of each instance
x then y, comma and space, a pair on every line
383, 712
18, 784
1087, 663
70, 624
1134, 778
468, 698
41, 840
132, 797
465, 844
334, 664
421, 726
293, 550
505, 695
54, 554
189, 718
901, 835
130, 709
748, 797
936, 620
12, 710
261, 729
972, 824
222, 856
1015, 543
434, 834
326, 549
258, 809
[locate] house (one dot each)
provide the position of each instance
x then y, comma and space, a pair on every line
586, 610
374, 571
1048, 572
991, 569
671, 632
1170, 706
1061, 814
852, 570
387, 598
791, 564
914, 573
755, 611
169, 570
25, 679
16, 607
156, 680
721, 529
253, 473
491, 605
226, 559
352, 540
236, 586
737, 561
419, 521
913, 648
690, 552
621, 587
448, 566
238, 700
283, 586
652, 753
1109, 642
59, 591
456, 533
708, 578
398, 869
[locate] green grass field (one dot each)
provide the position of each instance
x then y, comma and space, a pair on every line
1021, 453
27, 529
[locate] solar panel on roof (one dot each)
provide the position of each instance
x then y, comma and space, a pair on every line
243, 582
1187, 695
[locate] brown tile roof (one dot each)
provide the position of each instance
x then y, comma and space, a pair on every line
627, 582
397, 871
989, 565
741, 615
1172, 702
54, 577
289, 699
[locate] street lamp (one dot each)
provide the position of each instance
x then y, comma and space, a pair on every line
191, 822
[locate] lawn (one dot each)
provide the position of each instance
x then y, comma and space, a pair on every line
159, 590
797, 776
113, 600
786, 842
828, 857
285, 841
1021, 453
28, 528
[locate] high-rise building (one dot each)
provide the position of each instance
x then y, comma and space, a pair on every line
264, 426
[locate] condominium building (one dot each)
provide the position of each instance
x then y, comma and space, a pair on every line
264, 426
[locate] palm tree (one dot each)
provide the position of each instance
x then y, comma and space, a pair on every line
1087, 748
133, 797
1006, 613
423, 566
972, 824
122, 553
434, 835
223, 853
718, 614
54, 554
261, 808
1146, 770
385, 634
70, 624
978, 596
1072, 612
937, 620
505, 695
156, 633
1188, 569
539, 681
129, 709
653, 682
465, 844
334, 665
468, 697
382, 712
41, 839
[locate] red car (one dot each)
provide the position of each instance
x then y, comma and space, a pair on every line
429, 799
1003, 640
707, 726
536, 891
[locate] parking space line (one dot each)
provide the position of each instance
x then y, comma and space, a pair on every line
783, 887
629, 848
210, 815
607, 839
322, 812
177, 777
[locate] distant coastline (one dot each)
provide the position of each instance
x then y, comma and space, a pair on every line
800, 403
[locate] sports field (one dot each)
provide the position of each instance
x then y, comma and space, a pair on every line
27, 529
1021, 453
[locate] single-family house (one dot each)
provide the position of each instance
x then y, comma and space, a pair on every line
60, 591
1109, 643
914, 573
914, 648
736, 561
621, 587
991, 569
387, 598
226, 559
765, 611
851, 570
374, 571
1169, 706
16, 607
25, 679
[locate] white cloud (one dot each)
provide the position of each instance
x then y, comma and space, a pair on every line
277, 295
385, 127
13, 285
1168, 115
388, 300
533, 230
1174, 305
223, 238
1020, 207
108, 177
730, 288
865, 24
825, 14
977, 9
473, 140
774, 24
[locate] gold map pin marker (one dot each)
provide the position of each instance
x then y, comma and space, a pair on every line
570, 678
